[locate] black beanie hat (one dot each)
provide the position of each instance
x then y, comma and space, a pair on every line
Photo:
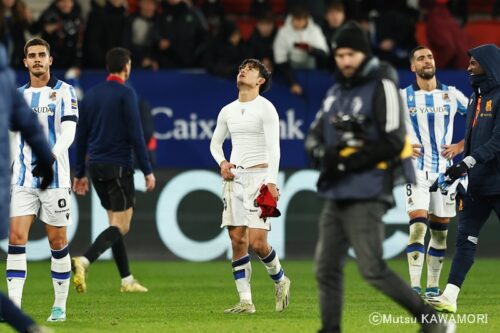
351, 35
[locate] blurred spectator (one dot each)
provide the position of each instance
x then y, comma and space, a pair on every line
214, 14
392, 35
496, 10
106, 28
15, 20
198, 12
262, 38
448, 41
61, 25
226, 52
261, 8
180, 36
140, 35
299, 44
316, 8
333, 20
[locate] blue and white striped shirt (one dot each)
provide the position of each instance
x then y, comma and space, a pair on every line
429, 121
53, 104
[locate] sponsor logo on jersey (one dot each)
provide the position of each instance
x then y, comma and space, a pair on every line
43, 110
427, 109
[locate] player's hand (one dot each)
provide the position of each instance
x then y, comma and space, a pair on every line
450, 151
303, 46
456, 171
150, 182
81, 185
274, 191
296, 89
45, 172
417, 150
225, 170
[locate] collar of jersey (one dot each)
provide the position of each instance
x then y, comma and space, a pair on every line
439, 86
115, 78
52, 82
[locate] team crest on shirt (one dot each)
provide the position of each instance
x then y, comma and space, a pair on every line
53, 96
446, 97
489, 105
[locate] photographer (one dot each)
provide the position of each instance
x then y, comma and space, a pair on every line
356, 140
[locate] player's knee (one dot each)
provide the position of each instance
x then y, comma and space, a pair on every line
57, 243
238, 242
17, 238
123, 228
260, 247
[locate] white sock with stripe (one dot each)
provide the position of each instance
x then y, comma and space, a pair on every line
242, 273
16, 272
61, 272
273, 266
415, 251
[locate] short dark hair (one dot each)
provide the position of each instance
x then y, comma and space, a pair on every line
415, 49
263, 72
33, 42
335, 5
300, 12
116, 59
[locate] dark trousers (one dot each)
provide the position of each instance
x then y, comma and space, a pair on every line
472, 214
357, 224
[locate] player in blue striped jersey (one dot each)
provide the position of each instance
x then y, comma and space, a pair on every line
55, 104
430, 107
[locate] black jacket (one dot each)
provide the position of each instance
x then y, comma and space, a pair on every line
386, 121
483, 141
182, 28
67, 40
106, 29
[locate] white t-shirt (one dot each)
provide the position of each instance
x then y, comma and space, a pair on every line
429, 120
53, 104
254, 130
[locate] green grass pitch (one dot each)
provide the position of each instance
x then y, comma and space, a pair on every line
190, 297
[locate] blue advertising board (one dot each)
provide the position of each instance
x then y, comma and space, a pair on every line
186, 104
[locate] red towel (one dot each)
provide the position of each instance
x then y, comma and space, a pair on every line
267, 203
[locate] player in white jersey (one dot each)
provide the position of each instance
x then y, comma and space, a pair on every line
431, 107
253, 124
55, 104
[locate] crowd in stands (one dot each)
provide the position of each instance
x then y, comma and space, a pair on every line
218, 34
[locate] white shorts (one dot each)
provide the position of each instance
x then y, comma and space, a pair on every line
239, 197
419, 197
53, 206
